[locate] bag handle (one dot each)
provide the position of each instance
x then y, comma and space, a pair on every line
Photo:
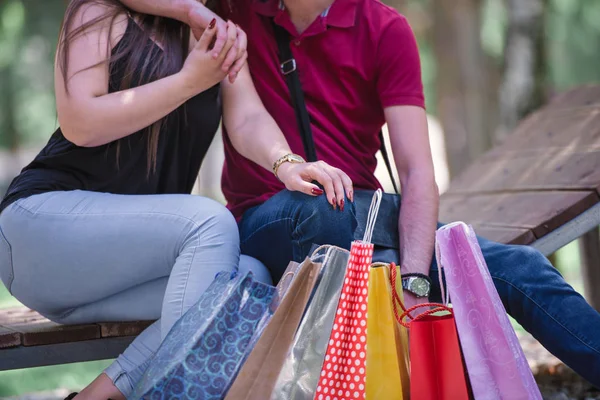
289, 68
437, 307
372, 217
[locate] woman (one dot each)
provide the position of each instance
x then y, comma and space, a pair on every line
101, 226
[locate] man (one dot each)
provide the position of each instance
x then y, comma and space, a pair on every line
359, 68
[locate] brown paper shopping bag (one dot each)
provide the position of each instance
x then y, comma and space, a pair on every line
259, 374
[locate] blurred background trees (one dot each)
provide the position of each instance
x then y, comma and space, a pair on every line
486, 64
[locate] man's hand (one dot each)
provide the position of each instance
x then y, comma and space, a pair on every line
411, 300
198, 18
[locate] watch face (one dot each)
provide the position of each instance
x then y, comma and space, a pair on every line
295, 158
420, 287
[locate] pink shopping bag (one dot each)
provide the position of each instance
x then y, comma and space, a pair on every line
495, 362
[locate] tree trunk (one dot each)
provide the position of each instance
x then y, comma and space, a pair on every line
463, 81
522, 89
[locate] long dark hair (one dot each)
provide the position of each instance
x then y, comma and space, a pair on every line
158, 63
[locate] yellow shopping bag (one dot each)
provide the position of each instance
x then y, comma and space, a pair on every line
387, 370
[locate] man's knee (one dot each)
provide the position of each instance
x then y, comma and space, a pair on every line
519, 265
318, 215
258, 269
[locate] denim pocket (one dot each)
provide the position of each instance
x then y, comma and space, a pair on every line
6, 265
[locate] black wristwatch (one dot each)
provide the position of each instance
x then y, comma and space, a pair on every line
417, 284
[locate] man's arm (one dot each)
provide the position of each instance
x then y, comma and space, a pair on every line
400, 90
420, 198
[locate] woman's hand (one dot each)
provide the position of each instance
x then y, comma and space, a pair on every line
235, 59
299, 177
201, 69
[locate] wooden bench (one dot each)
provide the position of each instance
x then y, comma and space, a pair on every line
29, 340
540, 188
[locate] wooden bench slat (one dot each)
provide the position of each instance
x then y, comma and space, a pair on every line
582, 96
565, 128
51, 333
117, 329
37, 330
9, 338
505, 235
534, 170
541, 212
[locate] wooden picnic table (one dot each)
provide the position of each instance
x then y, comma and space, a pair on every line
541, 187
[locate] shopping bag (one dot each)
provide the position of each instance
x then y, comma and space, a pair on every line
300, 371
387, 341
437, 371
367, 356
495, 361
204, 350
260, 371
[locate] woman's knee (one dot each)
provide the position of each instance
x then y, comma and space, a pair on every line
211, 221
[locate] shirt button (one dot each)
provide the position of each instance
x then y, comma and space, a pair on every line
297, 42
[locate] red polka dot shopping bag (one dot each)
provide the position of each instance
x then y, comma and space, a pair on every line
365, 330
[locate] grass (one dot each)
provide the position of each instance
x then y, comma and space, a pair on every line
76, 376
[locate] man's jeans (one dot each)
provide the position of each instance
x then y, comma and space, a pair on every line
533, 292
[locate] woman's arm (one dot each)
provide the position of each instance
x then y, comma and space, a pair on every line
90, 116
197, 16
256, 136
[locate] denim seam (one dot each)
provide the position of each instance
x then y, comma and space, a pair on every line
547, 313
189, 268
11, 277
112, 214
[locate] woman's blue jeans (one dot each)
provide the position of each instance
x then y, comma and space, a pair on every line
79, 257
533, 292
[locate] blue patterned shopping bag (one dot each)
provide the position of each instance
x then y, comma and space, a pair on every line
205, 349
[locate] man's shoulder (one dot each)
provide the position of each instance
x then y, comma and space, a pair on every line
379, 17
234, 9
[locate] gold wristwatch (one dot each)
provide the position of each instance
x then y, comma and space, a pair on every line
292, 158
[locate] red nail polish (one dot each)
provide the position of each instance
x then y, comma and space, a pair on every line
212, 23
334, 203
342, 205
351, 196
316, 191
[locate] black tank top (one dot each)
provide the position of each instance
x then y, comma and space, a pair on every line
183, 143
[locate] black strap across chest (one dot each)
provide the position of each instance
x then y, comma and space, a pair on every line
289, 69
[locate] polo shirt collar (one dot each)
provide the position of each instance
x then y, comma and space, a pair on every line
341, 14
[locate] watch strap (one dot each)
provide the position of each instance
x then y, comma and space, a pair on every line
293, 158
416, 275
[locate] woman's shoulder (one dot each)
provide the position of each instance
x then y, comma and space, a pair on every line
99, 17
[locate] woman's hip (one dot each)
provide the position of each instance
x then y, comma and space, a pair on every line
59, 250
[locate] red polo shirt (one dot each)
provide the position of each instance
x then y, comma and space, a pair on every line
355, 59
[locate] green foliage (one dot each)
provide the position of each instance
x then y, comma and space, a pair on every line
28, 34
71, 376
573, 37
